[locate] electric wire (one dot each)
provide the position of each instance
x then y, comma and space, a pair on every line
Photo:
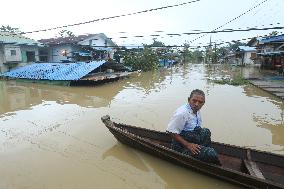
234, 19
111, 17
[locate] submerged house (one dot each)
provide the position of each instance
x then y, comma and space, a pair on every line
245, 55
271, 53
77, 48
17, 50
69, 74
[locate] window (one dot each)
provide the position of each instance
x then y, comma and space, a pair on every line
13, 52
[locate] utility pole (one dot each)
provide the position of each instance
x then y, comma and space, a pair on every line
209, 49
215, 54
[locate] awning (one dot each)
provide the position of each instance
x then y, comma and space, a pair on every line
103, 49
271, 53
82, 53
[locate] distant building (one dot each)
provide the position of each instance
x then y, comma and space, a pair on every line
17, 50
70, 74
254, 42
272, 52
77, 48
245, 55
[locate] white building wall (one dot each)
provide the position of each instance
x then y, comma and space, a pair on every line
9, 57
94, 41
1, 59
247, 58
98, 41
268, 49
55, 53
6, 60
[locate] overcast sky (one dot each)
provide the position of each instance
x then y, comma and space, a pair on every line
204, 15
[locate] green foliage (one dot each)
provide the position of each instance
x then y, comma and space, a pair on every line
144, 60
9, 29
233, 46
192, 56
166, 53
273, 33
217, 53
236, 81
213, 55
156, 43
197, 56
186, 53
66, 33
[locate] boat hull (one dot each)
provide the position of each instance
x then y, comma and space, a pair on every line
135, 137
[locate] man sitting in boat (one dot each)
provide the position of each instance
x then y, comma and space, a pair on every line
185, 128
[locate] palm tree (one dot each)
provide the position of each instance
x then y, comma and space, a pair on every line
9, 29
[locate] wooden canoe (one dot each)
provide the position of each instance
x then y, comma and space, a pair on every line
243, 166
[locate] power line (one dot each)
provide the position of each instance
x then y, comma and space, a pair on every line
207, 32
187, 33
235, 30
216, 31
232, 20
111, 17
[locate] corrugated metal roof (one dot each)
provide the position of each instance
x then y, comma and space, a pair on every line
75, 39
17, 39
278, 38
247, 48
54, 71
165, 62
65, 40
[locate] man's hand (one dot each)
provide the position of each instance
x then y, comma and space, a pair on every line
194, 148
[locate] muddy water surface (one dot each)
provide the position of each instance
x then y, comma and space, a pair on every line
52, 137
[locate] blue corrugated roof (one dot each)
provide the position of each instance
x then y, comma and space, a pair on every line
54, 71
277, 38
247, 48
165, 62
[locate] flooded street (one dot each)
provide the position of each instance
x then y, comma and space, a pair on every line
52, 136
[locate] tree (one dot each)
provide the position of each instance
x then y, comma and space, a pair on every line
156, 43
218, 53
233, 46
197, 56
66, 33
9, 29
273, 33
144, 60
186, 53
161, 50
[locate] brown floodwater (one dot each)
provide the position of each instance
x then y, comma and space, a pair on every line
52, 137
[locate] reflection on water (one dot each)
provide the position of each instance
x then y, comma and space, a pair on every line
45, 126
173, 176
16, 96
267, 118
127, 155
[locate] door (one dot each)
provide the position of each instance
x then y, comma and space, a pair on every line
30, 56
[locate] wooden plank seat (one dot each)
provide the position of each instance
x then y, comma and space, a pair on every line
252, 167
